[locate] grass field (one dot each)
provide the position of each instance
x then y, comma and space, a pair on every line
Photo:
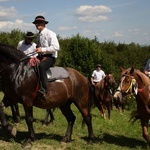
115, 134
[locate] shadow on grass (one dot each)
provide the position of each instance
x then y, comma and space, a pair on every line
21, 136
123, 141
119, 140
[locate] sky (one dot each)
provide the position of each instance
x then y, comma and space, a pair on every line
119, 21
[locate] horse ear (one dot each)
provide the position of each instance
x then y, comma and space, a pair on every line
121, 68
132, 71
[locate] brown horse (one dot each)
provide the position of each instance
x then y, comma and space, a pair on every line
103, 93
20, 81
134, 81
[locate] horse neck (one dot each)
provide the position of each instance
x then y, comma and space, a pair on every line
141, 79
101, 84
16, 74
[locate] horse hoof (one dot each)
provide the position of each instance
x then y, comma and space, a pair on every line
90, 142
65, 139
14, 132
27, 144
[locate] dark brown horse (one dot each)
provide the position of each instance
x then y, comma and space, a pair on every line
134, 81
103, 93
19, 82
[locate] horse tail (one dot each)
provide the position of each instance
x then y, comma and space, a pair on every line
90, 102
91, 96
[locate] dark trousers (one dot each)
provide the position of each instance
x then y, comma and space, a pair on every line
44, 65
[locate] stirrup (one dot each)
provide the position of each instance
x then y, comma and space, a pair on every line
41, 92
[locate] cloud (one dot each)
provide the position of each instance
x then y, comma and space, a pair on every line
118, 34
7, 13
65, 28
88, 13
93, 18
18, 24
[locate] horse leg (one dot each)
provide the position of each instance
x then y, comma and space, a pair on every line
29, 121
67, 112
15, 113
88, 120
51, 116
144, 124
5, 123
109, 109
48, 112
103, 113
102, 110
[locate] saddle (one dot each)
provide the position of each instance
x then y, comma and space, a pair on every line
53, 73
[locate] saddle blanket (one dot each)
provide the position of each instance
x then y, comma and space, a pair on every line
55, 73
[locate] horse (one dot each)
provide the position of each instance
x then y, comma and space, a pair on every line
136, 82
103, 94
20, 82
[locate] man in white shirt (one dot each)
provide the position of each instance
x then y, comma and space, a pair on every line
48, 47
27, 45
97, 75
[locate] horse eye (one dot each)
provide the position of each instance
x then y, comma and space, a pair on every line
128, 82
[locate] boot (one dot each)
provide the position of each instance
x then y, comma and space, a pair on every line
42, 91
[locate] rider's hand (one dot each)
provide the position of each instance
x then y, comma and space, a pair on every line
38, 50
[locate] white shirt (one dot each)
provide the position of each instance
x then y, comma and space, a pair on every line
27, 48
98, 75
48, 42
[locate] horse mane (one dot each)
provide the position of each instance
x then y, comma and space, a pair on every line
11, 52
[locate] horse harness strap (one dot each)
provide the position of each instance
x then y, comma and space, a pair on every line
133, 88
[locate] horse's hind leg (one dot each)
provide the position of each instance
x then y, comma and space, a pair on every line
67, 112
88, 120
144, 124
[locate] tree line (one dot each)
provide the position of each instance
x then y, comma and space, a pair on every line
82, 53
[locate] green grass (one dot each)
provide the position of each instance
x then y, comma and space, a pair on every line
115, 134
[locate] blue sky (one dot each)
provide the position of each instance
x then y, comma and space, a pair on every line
123, 21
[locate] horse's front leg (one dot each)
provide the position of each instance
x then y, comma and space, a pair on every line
15, 113
48, 113
144, 124
29, 121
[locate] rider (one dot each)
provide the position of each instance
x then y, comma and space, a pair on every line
27, 45
48, 47
147, 68
97, 75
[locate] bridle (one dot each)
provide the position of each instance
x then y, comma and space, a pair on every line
133, 87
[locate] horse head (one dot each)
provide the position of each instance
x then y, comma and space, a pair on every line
110, 80
131, 80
